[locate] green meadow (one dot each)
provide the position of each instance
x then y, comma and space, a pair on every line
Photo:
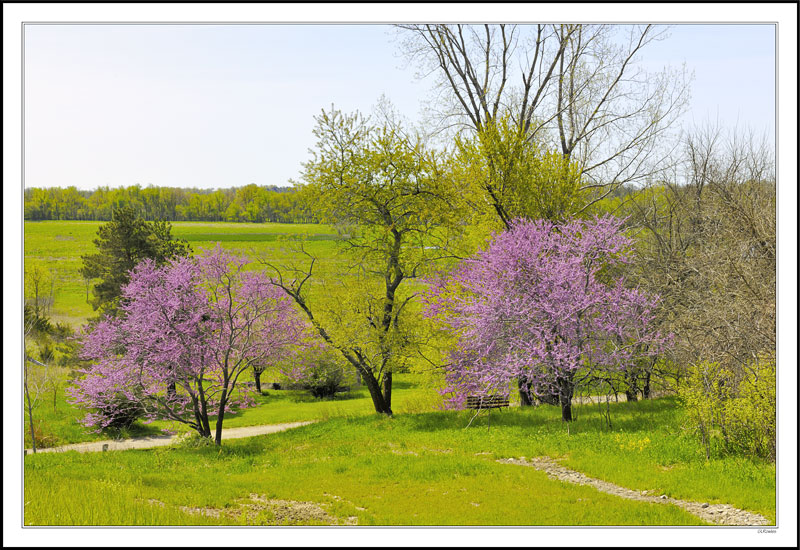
59, 245
423, 466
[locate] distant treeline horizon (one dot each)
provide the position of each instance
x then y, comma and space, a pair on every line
249, 203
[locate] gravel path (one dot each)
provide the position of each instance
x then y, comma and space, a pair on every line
721, 514
161, 440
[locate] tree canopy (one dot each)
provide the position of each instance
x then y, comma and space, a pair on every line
122, 243
386, 186
249, 203
185, 333
541, 305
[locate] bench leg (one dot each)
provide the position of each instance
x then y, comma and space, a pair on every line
473, 418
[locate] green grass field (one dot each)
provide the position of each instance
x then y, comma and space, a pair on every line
421, 467
413, 469
60, 245
57, 420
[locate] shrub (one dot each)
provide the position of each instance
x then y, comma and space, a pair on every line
44, 439
122, 412
733, 410
47, 352
317, 370
324, 380
105, 410
192, 440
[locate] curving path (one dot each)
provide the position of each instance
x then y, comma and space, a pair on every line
720, 514
162, 440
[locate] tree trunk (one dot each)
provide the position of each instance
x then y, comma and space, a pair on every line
646, 389
565, 390
525, 397
631, 386
222, 401
257, 376
387, 391
631, 394
172, 391
566, 409
206, 427
375, 393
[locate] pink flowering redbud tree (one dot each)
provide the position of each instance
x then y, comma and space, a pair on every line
184, 335
540, 305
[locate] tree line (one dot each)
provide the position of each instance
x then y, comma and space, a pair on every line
250, 203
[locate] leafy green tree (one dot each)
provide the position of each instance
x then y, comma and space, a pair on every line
387, 186
516, 175
38, 288
122, 243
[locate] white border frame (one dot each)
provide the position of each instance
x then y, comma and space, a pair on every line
784, 14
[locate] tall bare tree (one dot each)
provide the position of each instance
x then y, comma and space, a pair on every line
576, 88
33, 381
708, 247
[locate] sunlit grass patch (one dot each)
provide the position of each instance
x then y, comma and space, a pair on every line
60, 245
426, 469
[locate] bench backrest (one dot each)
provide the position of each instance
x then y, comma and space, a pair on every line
486, 401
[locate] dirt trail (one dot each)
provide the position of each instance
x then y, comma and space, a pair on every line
161, 440
721, 514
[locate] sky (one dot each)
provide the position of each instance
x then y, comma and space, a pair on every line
213, 106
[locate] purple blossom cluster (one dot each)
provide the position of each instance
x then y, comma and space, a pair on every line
541, 304
184, 334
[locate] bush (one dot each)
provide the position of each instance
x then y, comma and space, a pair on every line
39, 324
733, 410
122, 412
44, 439
107, 411
193, 440
323, 379
319, 371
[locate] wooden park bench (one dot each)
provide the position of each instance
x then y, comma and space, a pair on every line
487, 403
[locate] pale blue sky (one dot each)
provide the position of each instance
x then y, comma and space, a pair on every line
214, 106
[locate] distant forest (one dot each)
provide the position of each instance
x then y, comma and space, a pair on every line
251, 203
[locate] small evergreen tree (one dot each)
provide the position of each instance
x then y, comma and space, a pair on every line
122, 243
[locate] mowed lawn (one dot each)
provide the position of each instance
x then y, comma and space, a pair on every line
412, 469
58, 421
60, 245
